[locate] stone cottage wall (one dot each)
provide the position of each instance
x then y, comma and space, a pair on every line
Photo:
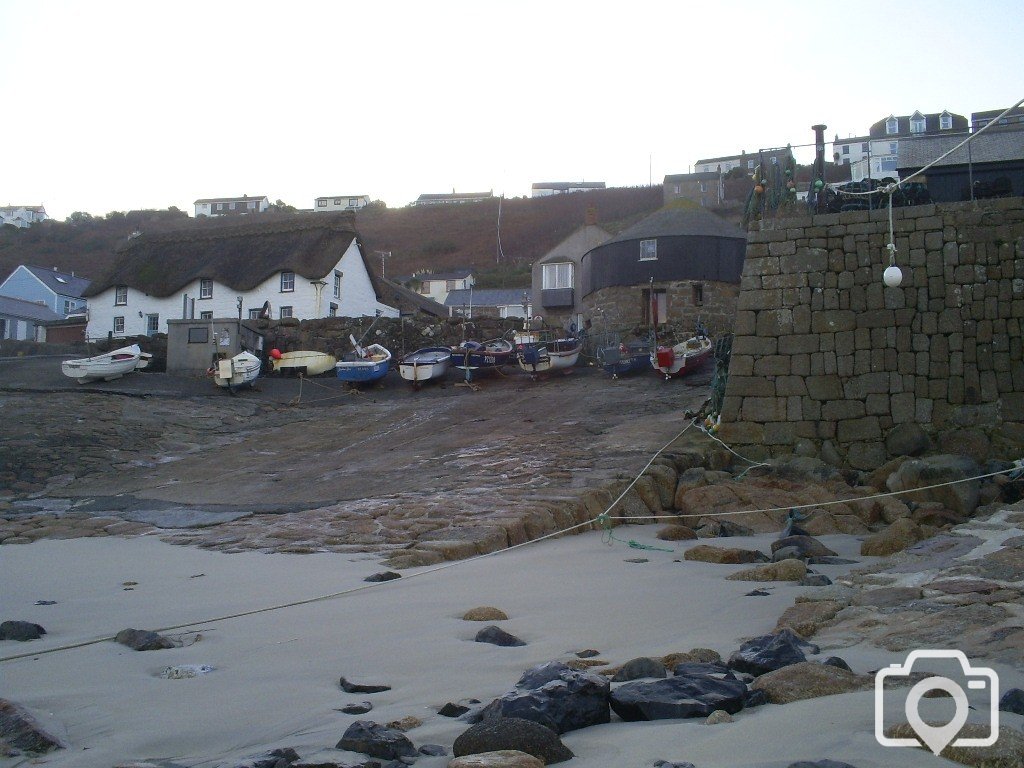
620, 307
828, 361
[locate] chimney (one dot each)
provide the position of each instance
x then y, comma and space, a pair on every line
591, 215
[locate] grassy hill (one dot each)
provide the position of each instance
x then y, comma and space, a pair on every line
419, 238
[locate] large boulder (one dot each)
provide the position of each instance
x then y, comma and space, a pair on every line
512, 733
20, 729
770, 652
808, 617
502, 758
687, 695
376, 740
497, 636
961, 497
809, 680
807, 545
705, 553
557, 697
784, 570
1007, 752
21, 631
143, 640
897, 537
639, 668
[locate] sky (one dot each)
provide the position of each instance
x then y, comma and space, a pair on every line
125, 105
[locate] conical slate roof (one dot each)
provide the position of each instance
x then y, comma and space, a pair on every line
675, 222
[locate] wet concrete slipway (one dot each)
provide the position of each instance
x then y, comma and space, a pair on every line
307, 465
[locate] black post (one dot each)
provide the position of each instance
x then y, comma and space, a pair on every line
819, 168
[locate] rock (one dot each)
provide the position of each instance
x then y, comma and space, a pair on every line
588, 653
715, 669
887, 597
807, 618
512, 733
808, 545
275, 758
21, 631
788, 553
636, 669
897, 537
676, 533
726, 528
667, 764
906, 440
362, 708
185, 671
1007, 752
831, 561
20, 729
485, 613
405, 724
815, 580
784, 570
809, 680
933, 470
1012, 701
497, 636
557, 697
719, 716
770, 652
705, 553
143, 640
348, 687
432, 750
502, 758
820, 764
678, 697
383, 576
375, 740
836, 661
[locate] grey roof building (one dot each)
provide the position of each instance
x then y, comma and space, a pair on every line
503, 302
19, 318
990, 165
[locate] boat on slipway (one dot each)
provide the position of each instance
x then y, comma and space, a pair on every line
425, 364
472, 356
625, 358
682, 358
537, 352
363, 364
108, 366
305, 362
233, 372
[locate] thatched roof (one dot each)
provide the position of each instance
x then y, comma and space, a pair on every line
238, 254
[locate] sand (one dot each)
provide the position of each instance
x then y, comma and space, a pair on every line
275, 678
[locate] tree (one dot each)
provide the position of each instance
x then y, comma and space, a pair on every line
282, 207
79, 217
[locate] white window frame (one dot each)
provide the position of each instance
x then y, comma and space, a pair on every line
284, 312
121, 296
892, 126
152, 324
287, 282
254, 314
206, 315
353, 202
206, 288
332, 310
945, 122
557, 275
918, 124
321, 203
119, 324
337, 284
649, 250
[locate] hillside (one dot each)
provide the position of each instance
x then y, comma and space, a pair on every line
433, 237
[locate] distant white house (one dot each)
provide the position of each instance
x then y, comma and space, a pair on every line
231, 206
454, 198
341, 203
301, 266
22, 215
437, 285
545, 188
62, 292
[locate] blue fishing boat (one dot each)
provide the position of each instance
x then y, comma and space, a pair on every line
363, 364
623, 359
472, 356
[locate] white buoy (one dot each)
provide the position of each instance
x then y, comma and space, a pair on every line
892, 276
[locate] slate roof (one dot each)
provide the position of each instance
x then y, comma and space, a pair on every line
239, 199
575, 245
566, 185
61, 283
674, 222
451, 274
703, 176
996, 147
931, 125
27, 310
487, 297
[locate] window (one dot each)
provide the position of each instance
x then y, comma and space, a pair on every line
152, 324
698, 294
846, 149
332, 310
353, 202
337, 284
206, 315
120, 295
68, 306
232, 206
321, 203
337, 201
864, 147
199, 335
254, 314
119, 325
449, 285
894, 147
678, 189
750, 165
250, 206
206, 289
556, 276
220, 206
892, 125
287, 282
425, 288
945, 121
917, 124
654, 308
286, 312
648, 250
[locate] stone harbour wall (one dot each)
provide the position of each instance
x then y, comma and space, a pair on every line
619, 307
829, 361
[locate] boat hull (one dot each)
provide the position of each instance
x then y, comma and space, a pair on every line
543, 356
425, 364
106, 367
306, 363
239, 371
488, 355
624, 360
684, 358
357, 369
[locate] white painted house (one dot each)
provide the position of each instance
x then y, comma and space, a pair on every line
340, 203
22, 215
302, 266
437, 285
231, 206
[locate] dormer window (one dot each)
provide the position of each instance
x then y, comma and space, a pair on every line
892, 126
917, 123
945, 121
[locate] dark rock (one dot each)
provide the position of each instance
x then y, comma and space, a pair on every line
703, 669
788, 553
19, 729
808, 545
497, 636
276, 758
452, 710
558, 698
815, 580
143, 640
383, 576
828, 560
361, 688
756, 698
729, 528
375, 740
433, 750
770, 652
887, 597
678, 697
46, 602
757, 593
667, 764
512, 733
20, 630
906, 440
820, 764
357, 709
835, 661
636, 669
1012, 701
589, 653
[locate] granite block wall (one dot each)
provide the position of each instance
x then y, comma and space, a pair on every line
829, 361
618, 307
